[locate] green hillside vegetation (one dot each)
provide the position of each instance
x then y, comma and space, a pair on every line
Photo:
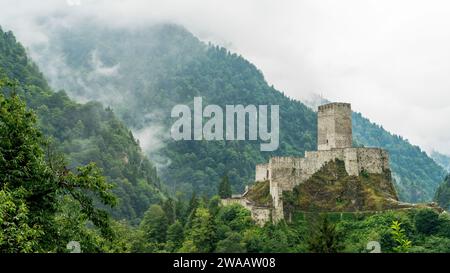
441, 159
259, 193
443, 194
205, 226
84, 133
154, 68
332, 189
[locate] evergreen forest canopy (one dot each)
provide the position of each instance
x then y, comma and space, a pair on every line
441, 159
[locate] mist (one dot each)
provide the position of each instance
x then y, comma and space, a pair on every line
390, 59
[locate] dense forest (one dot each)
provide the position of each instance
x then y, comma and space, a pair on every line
416, 175
441, 159
84, 133
442, 196
142, 73
75, 172
44, 205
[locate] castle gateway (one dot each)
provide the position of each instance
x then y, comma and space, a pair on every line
334, 143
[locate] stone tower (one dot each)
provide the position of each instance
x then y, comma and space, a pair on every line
334, 125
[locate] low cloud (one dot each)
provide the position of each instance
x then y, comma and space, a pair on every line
101, 69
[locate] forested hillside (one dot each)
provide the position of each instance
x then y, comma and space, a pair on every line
441, 159
442, 196
83, 133
142, 73
416, 175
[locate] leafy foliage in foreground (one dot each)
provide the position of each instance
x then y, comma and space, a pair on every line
210, 227
32, 187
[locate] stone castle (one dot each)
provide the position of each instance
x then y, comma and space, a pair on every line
334, 142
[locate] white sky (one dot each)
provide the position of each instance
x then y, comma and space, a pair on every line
390, 59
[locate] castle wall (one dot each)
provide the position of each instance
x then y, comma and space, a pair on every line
373, 160
261, 172
231, 201
288, 172
260, 215
350, 158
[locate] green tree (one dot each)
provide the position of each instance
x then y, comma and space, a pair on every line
427, 221
193, 203
214, 205
253, 239
191, 209
442, 196
22, 162
399, 235
180, 207
202, 235
168, 206
276, 238
232, 244
175, 236
43, 179
16, 236
324, 237
154, 224
236, 217
224, 189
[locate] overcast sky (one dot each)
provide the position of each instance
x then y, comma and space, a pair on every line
390, 59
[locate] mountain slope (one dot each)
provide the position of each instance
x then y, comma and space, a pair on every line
416, 175
442, 160
84, 132
144, 72
442, 196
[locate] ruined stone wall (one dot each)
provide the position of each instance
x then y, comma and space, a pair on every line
314, 161
231, 201
260, 215
282, 171
262, 172
288, 172
373, 160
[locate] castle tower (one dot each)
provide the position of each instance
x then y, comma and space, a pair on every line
334, 126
